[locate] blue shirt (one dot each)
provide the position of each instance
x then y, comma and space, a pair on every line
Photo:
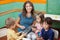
25, 21
47, 34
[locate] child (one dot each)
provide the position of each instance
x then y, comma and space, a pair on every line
11, 34
47, 33
38, 22
32, 35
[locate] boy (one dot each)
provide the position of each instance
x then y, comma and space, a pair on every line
32, 35
11, 34
47, 33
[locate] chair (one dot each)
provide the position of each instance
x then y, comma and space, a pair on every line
3, 34
56, 34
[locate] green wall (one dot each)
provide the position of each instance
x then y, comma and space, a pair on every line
16, 5
3, 18
19, 5
53, 7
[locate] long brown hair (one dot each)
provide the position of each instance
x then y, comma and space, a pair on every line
24, 12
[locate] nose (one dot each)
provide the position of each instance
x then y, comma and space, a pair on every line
28, 7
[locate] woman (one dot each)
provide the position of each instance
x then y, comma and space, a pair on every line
26, 18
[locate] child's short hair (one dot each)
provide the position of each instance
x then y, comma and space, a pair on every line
9, 22
33, 26
48, 20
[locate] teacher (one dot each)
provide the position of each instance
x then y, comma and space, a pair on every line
26, 18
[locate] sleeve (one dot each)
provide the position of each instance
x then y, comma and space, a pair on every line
42, 33
14, 35
20, 14
51, 37
8, 36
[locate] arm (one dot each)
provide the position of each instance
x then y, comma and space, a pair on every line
11, 34
18, 25
42, 34
18, 33
51, 37
21, 37
17, 22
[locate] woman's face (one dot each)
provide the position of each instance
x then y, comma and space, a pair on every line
28, 8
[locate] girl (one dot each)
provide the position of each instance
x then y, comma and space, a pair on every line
38, 22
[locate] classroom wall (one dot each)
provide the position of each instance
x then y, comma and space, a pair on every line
19, 5
5, 6
53, 8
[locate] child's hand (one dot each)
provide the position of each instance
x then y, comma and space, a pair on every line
38, 31
41, 38
24, 34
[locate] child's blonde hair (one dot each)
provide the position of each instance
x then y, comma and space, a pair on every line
9, 22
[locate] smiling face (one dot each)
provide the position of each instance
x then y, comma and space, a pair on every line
45, 25
28, 8
38, 19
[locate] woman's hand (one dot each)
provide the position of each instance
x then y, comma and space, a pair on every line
22, 27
